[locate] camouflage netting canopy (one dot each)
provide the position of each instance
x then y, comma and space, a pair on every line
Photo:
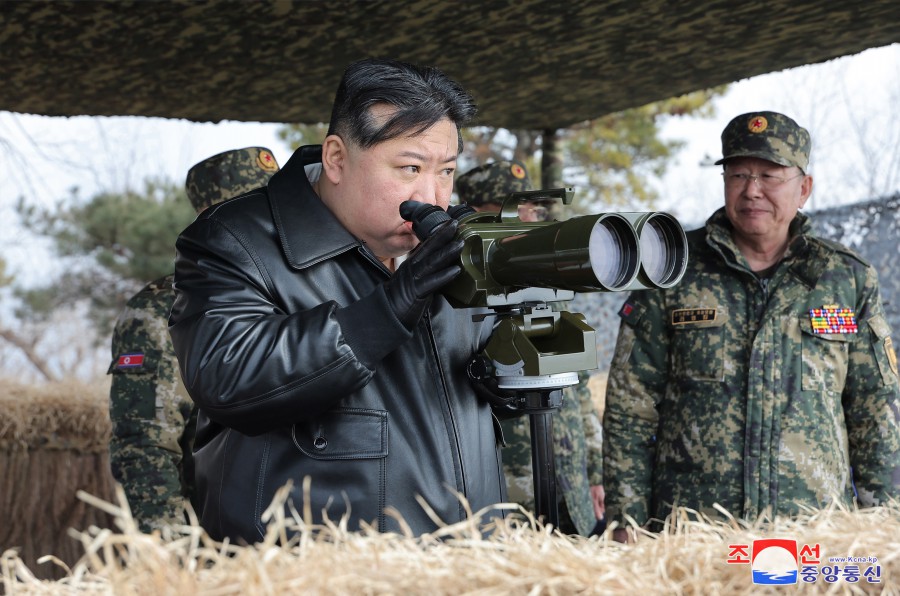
530, 63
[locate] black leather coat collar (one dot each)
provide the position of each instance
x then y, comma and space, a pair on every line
296, 206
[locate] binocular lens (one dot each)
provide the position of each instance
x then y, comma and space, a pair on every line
662, 250
611, 250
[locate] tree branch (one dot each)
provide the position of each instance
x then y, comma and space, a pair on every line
28, 350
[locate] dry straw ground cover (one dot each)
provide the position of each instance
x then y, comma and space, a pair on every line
53, 443
690, 558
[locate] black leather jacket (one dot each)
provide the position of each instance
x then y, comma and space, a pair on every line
299, 367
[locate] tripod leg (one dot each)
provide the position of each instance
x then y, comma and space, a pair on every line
544, 467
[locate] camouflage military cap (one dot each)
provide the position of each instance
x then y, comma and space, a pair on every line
229, 174
766, 135
491, 182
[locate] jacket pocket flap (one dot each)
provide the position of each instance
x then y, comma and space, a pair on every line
344, 433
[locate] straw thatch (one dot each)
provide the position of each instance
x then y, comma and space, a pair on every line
53, 442
65, 415
690, 558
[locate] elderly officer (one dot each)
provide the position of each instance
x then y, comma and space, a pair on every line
766, 381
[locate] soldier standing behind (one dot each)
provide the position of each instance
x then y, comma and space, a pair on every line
577, 434
153, 417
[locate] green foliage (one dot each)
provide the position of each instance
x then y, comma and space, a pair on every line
618, 154
611, 161
111, 245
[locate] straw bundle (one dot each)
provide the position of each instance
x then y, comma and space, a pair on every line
689, 558
53, 442
67, 415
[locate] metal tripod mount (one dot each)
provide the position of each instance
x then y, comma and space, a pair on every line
535, 352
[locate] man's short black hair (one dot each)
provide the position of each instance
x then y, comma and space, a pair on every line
422, 95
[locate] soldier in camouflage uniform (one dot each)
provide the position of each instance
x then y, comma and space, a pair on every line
766, 380
577, 436
483, 188
153, 416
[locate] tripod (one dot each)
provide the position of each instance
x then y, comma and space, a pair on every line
534, 352
540, 404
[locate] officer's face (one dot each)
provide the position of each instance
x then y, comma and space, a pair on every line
535, 211
761, 208
529, 211
372, 183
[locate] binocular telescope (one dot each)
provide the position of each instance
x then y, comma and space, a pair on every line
508, 262
515, 268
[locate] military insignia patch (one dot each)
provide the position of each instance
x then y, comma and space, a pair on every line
891, 354
832, 319
757, 124
686, 316
517, 171
626, 310
267, 161
130, 361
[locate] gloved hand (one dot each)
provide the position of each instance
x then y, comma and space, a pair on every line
429, 266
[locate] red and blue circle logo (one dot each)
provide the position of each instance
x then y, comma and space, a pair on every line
774, 562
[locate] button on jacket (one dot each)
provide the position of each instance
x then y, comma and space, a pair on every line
722, 391
287, 343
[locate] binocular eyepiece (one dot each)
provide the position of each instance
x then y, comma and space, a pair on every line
424, 217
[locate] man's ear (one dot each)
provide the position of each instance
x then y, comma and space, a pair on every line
805, 189
334, 158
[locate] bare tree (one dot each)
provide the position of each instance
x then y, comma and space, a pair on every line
857, 133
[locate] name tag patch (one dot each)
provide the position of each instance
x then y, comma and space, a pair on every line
832, 319
686, 316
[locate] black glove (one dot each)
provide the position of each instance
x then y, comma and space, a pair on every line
431, 265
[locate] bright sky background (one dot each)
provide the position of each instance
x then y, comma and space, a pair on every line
840, 102
849, 105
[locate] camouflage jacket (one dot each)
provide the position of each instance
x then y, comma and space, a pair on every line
578, 459
151, 412
721, 391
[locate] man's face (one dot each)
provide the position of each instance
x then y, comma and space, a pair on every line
373, 182
761, 209
529, 211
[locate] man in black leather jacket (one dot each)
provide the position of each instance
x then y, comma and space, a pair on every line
314, 349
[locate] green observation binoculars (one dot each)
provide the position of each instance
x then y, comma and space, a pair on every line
517, 269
